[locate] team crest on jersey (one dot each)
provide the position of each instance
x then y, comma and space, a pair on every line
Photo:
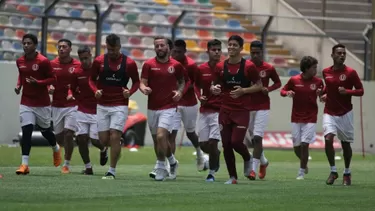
118, 66
262, 73
171, 69
35, 67
342, 77
312, 86
71, 69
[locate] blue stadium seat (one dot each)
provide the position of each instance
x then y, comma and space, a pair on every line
232, 23
17, 45
293, 72
37, 10
1, 32
75, 13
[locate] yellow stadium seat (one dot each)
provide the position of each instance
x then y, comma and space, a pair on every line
246, 47
51, 48
192, 45
220, 15
162, 2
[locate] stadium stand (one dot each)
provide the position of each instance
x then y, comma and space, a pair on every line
128, 19
347, 34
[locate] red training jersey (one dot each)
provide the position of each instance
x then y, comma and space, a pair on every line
35, 95
113, 79
82, 91
259, 100
203, 80
250, 74
189, 98
162, 78
339, 104
64, 78
305, 107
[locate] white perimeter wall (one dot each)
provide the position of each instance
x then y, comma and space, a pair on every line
319, 48
279, 117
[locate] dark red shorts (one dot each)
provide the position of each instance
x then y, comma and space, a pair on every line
233, 125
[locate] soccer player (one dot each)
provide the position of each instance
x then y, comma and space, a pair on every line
338, 115
304, 89
86, 114
233, 81
64, 109
187, 106
208, 125
260, 108
35, 74
109, 80
163, 81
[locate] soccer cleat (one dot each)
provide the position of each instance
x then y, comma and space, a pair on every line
23, 170
57, 158
88, 171
331, 178
173, 171
161, 174
65, 170
263, 170
300, 177
347, 179
247, 166
109, 176
306, 170
252, 175
200, 163
104, 157
210, 178
231, 181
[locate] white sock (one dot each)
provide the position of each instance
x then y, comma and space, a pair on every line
160, 164
66, 163
255, 164
212, 172
105, 148
199, 152
156, 165
172, 160
333, 169
347, 171
56, 148
263, 159
112, 170
25, 160
301, 172
88, 165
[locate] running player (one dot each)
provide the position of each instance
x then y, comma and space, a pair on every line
86, 114
338, 115
162, 80
234, 78
35, 74
208, 125
109, 80
64, 109
260, 108
304, 89
187, 106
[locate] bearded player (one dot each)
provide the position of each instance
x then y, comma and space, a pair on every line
163, 81
187, 107
338, 111
260, 108
233, 81
86, 114
208, 123
304, 89
64, 109
35, 74
109, 81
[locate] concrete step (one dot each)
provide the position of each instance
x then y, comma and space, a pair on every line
330, 5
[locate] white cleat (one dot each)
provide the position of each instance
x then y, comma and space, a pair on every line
161, 174
231, 181
300, 177
200, 163
152, 174
173, 171
247, 167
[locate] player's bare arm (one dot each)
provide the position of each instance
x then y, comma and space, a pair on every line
134, 75
143, 87
180, 88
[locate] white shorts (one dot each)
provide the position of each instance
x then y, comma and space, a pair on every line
341, 126
64, 118
208, 126
160, 119
258, 122
111, 117
40, 116
188, 116
303, 132
87, 124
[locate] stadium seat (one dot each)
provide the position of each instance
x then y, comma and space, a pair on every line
5, 44
56, 36
203, 34
8, 56
51, 49
149, 53
136, 53
37, 22
77, 25
134, 41
160, 19
36, 10
89, 26
147, 41
4, 20
81, 38
125, 51
1, 32
293, 72
173, 10
9, 33
22, 8
130, 17
144, 18
61, 12
19, 33
131, 29
146, 30
14, 21
75, 13
64, 24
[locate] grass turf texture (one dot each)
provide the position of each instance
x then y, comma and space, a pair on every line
46, 189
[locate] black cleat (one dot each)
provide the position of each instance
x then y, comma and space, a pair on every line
88, 171
347, 179
331, 178
104, 157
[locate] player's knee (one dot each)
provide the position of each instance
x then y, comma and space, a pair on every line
161, 136
329, 137
345, 145
68, 133
328, 141
28, 129
191, 135
257, 140
304, 145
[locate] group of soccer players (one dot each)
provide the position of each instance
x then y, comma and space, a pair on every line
90, 99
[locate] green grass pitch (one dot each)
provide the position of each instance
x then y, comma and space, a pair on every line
46, 189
